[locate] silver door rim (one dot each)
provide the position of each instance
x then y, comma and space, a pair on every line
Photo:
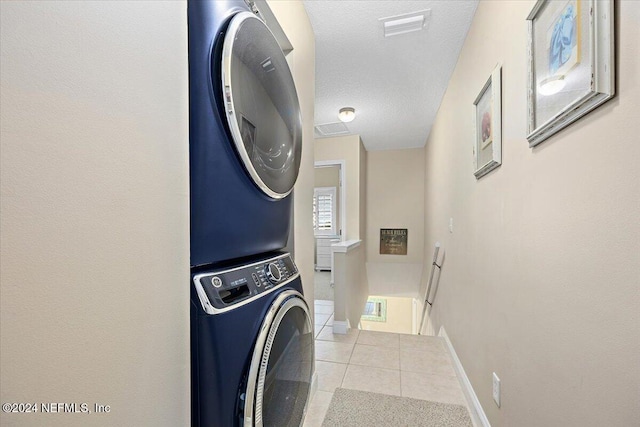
257, 371
227, 91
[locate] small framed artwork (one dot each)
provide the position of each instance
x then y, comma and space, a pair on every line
487, 114
571, 63
393, 241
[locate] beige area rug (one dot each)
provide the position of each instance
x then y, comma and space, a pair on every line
354, 408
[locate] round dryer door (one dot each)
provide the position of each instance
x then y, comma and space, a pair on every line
261, 105
279, 381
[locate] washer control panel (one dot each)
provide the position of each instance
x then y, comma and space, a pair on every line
220, 289
273, 272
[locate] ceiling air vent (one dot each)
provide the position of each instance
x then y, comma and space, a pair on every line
405, 23
331, 129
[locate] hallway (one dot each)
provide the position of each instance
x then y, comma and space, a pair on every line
404, 365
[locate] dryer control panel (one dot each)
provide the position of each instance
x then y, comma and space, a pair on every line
221, 290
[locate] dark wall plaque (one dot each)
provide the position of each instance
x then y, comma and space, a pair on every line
393, 241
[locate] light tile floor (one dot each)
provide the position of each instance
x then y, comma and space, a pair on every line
414, 366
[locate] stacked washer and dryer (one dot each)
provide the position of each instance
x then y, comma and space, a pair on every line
251, 331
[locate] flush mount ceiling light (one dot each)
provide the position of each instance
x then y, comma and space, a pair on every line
551, 85
347, 114
405, 23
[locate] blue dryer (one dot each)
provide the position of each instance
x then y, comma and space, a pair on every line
252, 345
245, 133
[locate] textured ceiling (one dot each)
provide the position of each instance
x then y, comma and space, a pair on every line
394, 83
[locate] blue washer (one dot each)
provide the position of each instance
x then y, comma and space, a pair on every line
252, 345
245, 134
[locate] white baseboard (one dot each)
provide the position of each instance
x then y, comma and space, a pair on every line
340, 326
478, 416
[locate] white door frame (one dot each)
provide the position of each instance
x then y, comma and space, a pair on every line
342, 164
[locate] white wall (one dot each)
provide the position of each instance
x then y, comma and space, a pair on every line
395, 199
294, 21
350, 275
351, 287
362, 205
95, 211
541, 278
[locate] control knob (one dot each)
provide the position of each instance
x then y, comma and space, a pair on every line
273, 272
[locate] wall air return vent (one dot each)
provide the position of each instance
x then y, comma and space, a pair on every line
405, 23
331, 129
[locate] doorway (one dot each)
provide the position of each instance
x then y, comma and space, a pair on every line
328, 223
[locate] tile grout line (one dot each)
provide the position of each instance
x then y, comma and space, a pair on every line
343, 376
350, 356
376, 367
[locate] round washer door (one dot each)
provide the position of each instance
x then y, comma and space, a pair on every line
279, 381
261, 105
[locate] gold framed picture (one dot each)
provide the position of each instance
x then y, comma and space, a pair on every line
393, 241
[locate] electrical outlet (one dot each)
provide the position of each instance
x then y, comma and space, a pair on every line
496, 389
450, 225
